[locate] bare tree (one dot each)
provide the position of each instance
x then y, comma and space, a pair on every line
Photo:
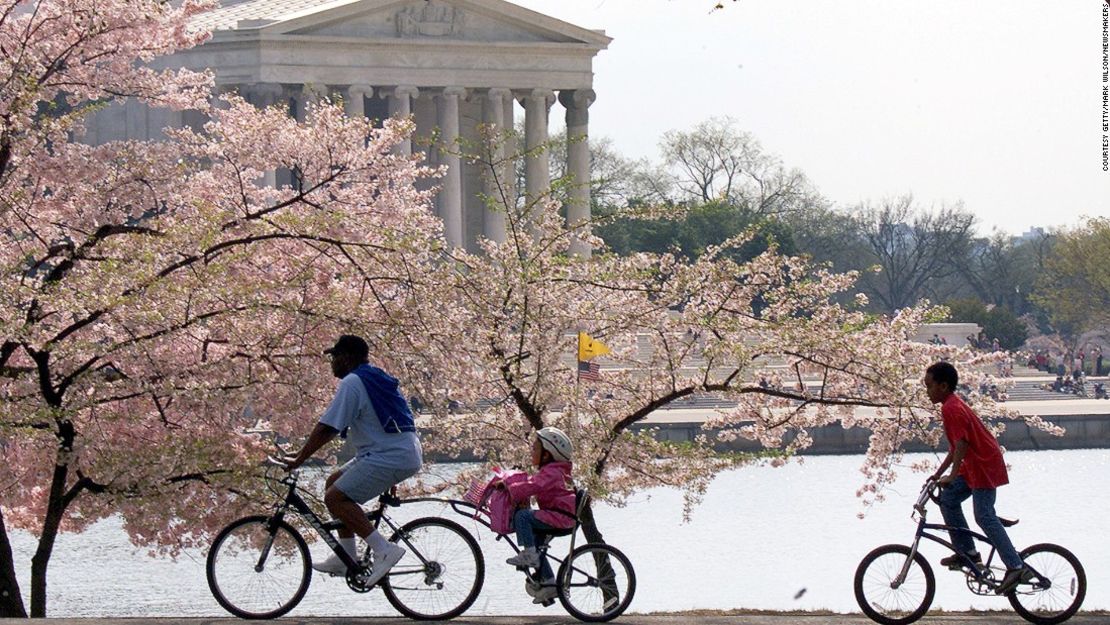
716, 161
1002, 270
917, 250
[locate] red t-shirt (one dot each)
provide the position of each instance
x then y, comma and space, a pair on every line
983, 466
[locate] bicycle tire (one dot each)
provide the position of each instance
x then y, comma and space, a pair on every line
1066, 591
293, 567
596, 566
447, 557
872, 585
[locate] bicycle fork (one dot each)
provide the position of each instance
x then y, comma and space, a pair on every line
901, 577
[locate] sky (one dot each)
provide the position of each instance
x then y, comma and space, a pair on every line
995, 105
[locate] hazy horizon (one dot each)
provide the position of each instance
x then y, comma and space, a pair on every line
993, 105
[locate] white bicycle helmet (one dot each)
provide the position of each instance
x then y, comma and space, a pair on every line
556, 443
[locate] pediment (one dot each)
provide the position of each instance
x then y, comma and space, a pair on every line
481, 21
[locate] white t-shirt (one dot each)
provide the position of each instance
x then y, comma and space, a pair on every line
351, 408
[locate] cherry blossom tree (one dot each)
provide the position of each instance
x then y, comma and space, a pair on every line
494, 356
149, 291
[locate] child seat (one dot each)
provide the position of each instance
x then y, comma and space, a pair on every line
580, 500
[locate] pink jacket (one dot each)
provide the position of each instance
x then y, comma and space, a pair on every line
550, 488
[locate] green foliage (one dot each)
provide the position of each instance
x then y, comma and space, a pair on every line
997, 322
1074, 286
696, 230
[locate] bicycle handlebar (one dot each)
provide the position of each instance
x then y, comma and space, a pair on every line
927, 493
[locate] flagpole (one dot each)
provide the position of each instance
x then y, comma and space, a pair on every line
577, 381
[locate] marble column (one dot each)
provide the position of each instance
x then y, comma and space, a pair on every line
495, 185
537, 172
311, 93
509, 175
450, 196
354, 100
265, 95
577, 103
400, 105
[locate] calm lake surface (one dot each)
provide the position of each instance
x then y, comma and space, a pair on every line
764, 538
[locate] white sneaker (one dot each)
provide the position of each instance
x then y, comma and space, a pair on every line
531, 587
527, 557
384, 559
332, 566
546, 593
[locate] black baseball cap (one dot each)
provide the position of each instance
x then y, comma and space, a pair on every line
351, 345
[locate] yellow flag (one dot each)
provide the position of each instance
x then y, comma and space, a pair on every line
589, 347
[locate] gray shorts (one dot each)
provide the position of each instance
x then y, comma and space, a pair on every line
363, 480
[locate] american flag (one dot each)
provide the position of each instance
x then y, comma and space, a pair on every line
589, 370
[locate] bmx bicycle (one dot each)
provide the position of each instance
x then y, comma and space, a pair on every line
894, 584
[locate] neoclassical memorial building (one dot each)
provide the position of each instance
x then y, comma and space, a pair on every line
451, 64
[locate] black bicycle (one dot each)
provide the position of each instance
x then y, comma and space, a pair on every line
894, 584
259, 566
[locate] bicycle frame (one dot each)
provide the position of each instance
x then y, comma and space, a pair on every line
294, 501
923, 528
923, 532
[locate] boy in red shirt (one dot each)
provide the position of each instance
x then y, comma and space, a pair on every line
977, 471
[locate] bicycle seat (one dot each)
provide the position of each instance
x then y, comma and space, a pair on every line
1008, 522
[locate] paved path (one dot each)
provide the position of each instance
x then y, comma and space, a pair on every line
754, 618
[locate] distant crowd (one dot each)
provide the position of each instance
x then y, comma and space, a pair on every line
1072, 369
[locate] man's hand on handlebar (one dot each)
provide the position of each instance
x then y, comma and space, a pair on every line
291, 462
286, 461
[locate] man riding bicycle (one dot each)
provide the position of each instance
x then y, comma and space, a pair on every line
368, 409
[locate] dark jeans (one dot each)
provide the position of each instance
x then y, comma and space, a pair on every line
952, 498
526, 524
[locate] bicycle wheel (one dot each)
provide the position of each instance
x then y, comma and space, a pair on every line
596, 583
441, 573
880, 599
258, 569
1058, 589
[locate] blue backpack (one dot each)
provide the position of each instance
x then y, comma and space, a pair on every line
391, 407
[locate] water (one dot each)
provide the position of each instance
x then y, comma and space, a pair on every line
761, 538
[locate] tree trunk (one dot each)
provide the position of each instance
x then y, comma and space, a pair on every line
11, 601
604, 567
55, 508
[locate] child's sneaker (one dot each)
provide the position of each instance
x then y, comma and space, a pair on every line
527, 557
546, 593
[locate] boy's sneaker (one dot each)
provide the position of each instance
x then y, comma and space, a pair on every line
384, 559
1012, 578
527, 557
332, 566
957, 561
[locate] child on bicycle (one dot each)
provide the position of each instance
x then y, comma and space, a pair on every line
551, 453
977, 471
